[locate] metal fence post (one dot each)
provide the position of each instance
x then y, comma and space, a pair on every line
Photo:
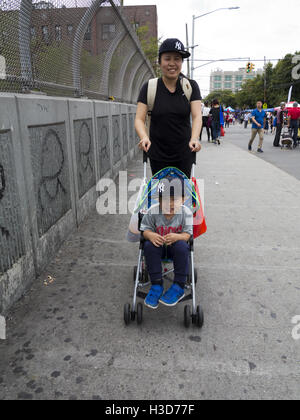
24, 43
78, 41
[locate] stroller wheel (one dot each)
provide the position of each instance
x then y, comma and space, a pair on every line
139, 313
187, 316
127, 314
199, 317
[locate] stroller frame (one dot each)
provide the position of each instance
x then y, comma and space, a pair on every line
141, 281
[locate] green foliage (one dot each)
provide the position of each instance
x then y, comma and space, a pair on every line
225, 97
150, 46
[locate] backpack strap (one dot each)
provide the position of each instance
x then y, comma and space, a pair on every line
187, 88
151, 94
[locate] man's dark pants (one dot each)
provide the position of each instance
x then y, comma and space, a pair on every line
277, 135
294, 127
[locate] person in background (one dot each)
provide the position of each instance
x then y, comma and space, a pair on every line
293, 122
266, 127
258, 123
215, 113
279, 125
246, 119
205, 120
271, 122
274, 122
227, 119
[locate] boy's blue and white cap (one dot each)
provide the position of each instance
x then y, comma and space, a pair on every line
173, 45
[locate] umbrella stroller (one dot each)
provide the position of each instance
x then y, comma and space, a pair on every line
286, 138
141, 278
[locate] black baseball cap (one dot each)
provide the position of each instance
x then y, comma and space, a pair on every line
173, 45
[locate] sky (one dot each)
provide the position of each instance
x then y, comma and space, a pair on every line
259, 28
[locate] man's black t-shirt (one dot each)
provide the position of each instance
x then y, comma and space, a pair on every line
170, 131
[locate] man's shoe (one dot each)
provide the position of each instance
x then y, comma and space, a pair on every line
260, 151
172, 296
249, 147
153, 296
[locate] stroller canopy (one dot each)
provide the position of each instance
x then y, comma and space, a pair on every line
162, 183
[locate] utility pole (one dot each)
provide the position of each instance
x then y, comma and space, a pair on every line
187, 43
265, 81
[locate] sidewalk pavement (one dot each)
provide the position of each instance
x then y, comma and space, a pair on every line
67, 339
285, 159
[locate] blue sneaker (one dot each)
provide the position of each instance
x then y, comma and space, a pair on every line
153, 296
172, 296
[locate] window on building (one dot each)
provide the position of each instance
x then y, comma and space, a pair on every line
217, 86
135, 26
45, 32
70, 29
238, 78
217, 78
228, 85
228, 78
108, 31
88, 34
57, 33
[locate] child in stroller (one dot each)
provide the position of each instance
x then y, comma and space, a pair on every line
166, 233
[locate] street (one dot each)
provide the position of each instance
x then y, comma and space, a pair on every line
287, 160
67, 339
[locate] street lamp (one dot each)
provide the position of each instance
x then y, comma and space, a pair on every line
193, 32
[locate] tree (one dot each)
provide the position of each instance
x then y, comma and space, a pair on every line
225, 97
150, 46
273, 86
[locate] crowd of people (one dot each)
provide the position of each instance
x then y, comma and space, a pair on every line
263, 122
213, 120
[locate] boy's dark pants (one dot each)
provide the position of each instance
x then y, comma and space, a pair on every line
178, 252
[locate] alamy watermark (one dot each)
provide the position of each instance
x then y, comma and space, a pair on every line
296, 329
296, 69
123, 197
2, 328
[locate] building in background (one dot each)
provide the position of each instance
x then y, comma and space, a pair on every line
60, 24
231, 80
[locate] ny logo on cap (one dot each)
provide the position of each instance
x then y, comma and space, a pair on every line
178, 46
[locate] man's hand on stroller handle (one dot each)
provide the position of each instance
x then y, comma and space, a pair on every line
195, 146
145, 144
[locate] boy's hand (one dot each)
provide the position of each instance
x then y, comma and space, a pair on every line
156, 239
171, 238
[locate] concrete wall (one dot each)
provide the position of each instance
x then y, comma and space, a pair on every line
53, 151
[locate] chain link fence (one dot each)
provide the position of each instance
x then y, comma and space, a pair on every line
70, 48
